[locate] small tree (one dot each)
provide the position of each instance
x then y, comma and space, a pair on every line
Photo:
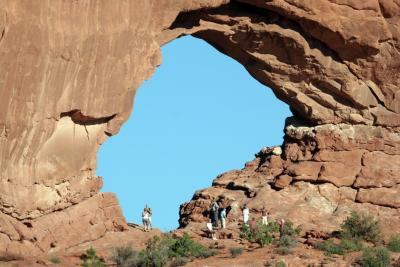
263, 234
360, 226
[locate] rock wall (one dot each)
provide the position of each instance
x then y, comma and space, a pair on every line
69, 71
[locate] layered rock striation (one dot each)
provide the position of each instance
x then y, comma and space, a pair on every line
69, 71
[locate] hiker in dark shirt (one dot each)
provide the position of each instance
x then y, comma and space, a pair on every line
214, 213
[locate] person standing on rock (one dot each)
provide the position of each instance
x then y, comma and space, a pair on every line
210, 230
222, 217
253, 225
264, 216
145, 219
214, 213
246, 214
281, 224
150, 214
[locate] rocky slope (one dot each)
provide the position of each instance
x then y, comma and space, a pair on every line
70, 69
323, 174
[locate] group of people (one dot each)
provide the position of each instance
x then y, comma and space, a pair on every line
218, 219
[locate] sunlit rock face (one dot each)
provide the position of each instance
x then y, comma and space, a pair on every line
69, 71
331, 61
324, 173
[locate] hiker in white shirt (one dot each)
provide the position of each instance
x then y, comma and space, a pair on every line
246, 214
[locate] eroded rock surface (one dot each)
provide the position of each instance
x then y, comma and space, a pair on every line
316, 182
69, 71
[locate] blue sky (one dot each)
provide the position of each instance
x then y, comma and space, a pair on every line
200, 114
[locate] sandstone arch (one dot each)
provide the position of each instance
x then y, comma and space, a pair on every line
69, 71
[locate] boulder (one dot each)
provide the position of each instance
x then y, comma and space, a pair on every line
379, 170
282, 181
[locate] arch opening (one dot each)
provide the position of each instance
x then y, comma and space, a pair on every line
191, 122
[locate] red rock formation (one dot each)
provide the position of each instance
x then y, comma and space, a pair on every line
316, 182
70, 69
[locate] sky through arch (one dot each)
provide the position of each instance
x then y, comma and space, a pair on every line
200, 114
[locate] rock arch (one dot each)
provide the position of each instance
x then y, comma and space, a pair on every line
70, 69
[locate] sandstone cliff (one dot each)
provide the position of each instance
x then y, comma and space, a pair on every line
69, 71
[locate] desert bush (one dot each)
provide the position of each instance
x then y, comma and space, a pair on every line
246, 233
53, 258
208, 253
340, 249
375, 257
186, 247
262, 234
156, 253
290, 230
91, 259
235, 251
160, 251
287, 241
179, 261
280, 264
124, 256
351, 245
330, 248
282, 251
360, 226
394, 243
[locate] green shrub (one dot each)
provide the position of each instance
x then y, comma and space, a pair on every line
280, 264
207, 253
160, 251
375, 257
282, 251
124, 256
351, 245
92, 260
290, 230
340, 249
246, 233
262, 234
236, 251
186, 247
330, 248
179, 261
394, 243
287, 241
360, 226
53, 258
156, 253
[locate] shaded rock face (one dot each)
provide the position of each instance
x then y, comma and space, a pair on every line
70, 69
